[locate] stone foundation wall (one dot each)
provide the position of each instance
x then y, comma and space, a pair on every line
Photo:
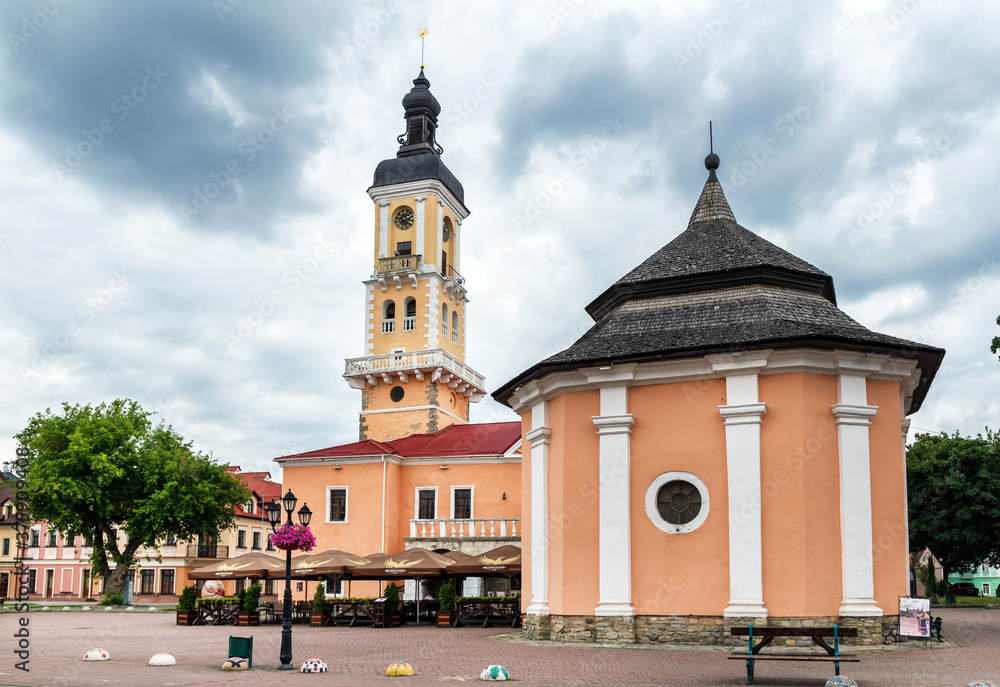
691, 629
536, 626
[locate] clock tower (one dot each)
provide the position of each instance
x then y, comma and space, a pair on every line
413, 377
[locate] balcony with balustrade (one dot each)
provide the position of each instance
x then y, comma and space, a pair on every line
437, 365
207, 551
472, 536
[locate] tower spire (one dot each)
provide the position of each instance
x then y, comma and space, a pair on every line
423, 34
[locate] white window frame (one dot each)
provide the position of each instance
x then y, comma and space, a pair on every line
259, 531
347, 506
246, 545
416, 501
653, 513
986, 588
472, 499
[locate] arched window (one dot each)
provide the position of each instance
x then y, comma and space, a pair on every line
444, 319
454, 326
410, 315
388, 317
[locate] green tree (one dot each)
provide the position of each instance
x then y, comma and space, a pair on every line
953, 485
995, 346
95, 470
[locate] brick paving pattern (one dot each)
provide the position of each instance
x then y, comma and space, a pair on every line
359, 656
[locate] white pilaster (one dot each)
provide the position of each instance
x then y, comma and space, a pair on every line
418, 247
743, 415
539, 437
853, 417
458, 247
614, 428
383, 230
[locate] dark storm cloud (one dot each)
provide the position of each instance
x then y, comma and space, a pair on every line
120, 96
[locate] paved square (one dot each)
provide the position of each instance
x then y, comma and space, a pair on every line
359, 656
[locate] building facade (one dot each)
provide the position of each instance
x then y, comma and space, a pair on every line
723, 446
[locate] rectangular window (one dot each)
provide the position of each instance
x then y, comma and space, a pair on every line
147, 582
404, 247
68, 540
426, 504
51, 540
268, 588
337, 498
32, 580
256, 539
270, 544
9, 509
167, 581
171, 540
241, 539
241, 585
463, 504
6, 546
35, 534
333, 587
986, 589
444, 263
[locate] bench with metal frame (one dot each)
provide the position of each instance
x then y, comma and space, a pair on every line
817, 634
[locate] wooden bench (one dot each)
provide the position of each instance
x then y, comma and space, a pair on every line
817, 634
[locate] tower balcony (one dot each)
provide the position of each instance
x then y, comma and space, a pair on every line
435, 365
397, 270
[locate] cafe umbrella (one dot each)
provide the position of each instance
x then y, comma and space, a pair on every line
416, 563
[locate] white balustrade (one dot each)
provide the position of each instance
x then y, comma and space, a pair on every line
454, 528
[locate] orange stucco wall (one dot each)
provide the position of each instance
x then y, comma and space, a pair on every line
678, 427
401, 421
888, 496
489, 482
800, 485
574, 485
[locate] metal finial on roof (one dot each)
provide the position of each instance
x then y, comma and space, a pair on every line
423, 34
712, 160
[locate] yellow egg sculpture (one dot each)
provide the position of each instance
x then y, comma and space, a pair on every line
399, 670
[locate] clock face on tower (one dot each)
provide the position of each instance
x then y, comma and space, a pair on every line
403, 218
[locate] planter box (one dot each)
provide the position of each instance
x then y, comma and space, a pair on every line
444, 618
317, 618
248, 618
186, 617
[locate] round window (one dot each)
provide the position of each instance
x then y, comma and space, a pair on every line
677, 502
396, 394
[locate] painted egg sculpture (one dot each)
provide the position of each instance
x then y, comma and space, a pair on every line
399, 670
313, 665
213, 589
494, 674
96, 655
235, 663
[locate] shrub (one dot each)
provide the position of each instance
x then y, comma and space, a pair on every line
113, 599
189, 595
319, 598
251, 598
391, 595
446, 597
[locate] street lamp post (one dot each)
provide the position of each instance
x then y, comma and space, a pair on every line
273, 511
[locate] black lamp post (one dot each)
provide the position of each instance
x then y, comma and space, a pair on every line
273, 511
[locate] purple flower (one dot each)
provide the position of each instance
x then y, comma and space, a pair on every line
294, 537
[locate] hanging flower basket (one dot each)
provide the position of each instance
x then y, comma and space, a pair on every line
290, 537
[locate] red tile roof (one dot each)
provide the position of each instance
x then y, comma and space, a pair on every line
487, 439
260, 484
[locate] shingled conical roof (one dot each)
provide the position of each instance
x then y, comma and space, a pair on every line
719, 287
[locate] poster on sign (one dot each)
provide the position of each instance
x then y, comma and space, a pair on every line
914, 617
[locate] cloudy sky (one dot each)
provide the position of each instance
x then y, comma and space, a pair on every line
165, 167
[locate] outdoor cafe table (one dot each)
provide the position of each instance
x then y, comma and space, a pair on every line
490, 612
351, 614
216, 613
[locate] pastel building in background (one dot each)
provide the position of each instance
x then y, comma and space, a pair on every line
723, 446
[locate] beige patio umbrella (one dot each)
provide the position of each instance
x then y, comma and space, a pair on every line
254, 565
414, 564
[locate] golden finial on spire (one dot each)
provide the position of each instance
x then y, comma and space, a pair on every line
423, 34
